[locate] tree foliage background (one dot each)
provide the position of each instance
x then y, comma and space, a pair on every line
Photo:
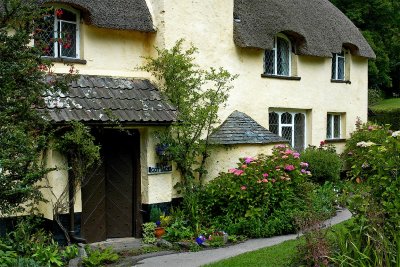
379, 21
24, 78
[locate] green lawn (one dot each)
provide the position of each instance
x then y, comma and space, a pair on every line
276, 256
387, 105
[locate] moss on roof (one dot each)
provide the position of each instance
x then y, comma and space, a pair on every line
316, 27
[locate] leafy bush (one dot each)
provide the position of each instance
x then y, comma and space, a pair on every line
373, 152
148, 233
98, 257
179, 230
260, 196
324, 163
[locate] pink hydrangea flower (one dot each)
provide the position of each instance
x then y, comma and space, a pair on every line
265, 175
303, 171
308, 173
285, 156
248, 160
259, 181
304, 164
273, 180
243, 187
296, 155
289, 168
232, 170
265, 180
288, 152
238, 172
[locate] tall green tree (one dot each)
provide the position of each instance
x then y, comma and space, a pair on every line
197, 94
379, 21
24, 79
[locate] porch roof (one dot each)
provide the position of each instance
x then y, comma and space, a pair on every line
110, 100
239, 128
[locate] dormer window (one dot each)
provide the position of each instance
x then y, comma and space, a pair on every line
338, 66
58, 34
278, 60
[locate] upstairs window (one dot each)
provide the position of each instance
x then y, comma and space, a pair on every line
278, 60
338, 67
58, 34
333, 126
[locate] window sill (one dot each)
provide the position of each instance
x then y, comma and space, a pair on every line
291, 78
66, 60
339, 140
340, 81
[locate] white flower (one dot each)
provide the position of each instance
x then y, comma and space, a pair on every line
396, 133
365, 144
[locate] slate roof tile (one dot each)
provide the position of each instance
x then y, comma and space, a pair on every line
94, 98
239, 128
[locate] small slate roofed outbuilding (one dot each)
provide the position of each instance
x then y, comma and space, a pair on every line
104, 99
239, 128
317, 27
112, 14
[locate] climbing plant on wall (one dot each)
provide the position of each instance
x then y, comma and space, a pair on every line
197, 94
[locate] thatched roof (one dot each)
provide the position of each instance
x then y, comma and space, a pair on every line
316, 27
113, 14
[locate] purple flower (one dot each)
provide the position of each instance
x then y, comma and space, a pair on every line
296, 155
303, 171
248, 160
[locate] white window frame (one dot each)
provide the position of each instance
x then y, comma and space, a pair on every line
275, 51
331, 116
58, 48
292, 124
336, 57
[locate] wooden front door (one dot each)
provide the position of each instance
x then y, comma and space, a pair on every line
118, 209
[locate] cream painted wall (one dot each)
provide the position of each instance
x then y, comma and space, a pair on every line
112, 52
156, 188
224, 158
209, 26
55, 185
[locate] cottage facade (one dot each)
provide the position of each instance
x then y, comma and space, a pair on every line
302, 69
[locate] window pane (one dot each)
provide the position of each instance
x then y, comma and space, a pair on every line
340, 69
68, 39
334, 67
287, 133
283, 57
329, 127
286, 118
274, 122
299, 131
269, 62
44, 38
336, 126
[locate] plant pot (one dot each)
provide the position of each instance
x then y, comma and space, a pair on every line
159, 232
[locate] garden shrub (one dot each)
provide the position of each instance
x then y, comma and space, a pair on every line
324, 163
99, 257
260, 197
373, 153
